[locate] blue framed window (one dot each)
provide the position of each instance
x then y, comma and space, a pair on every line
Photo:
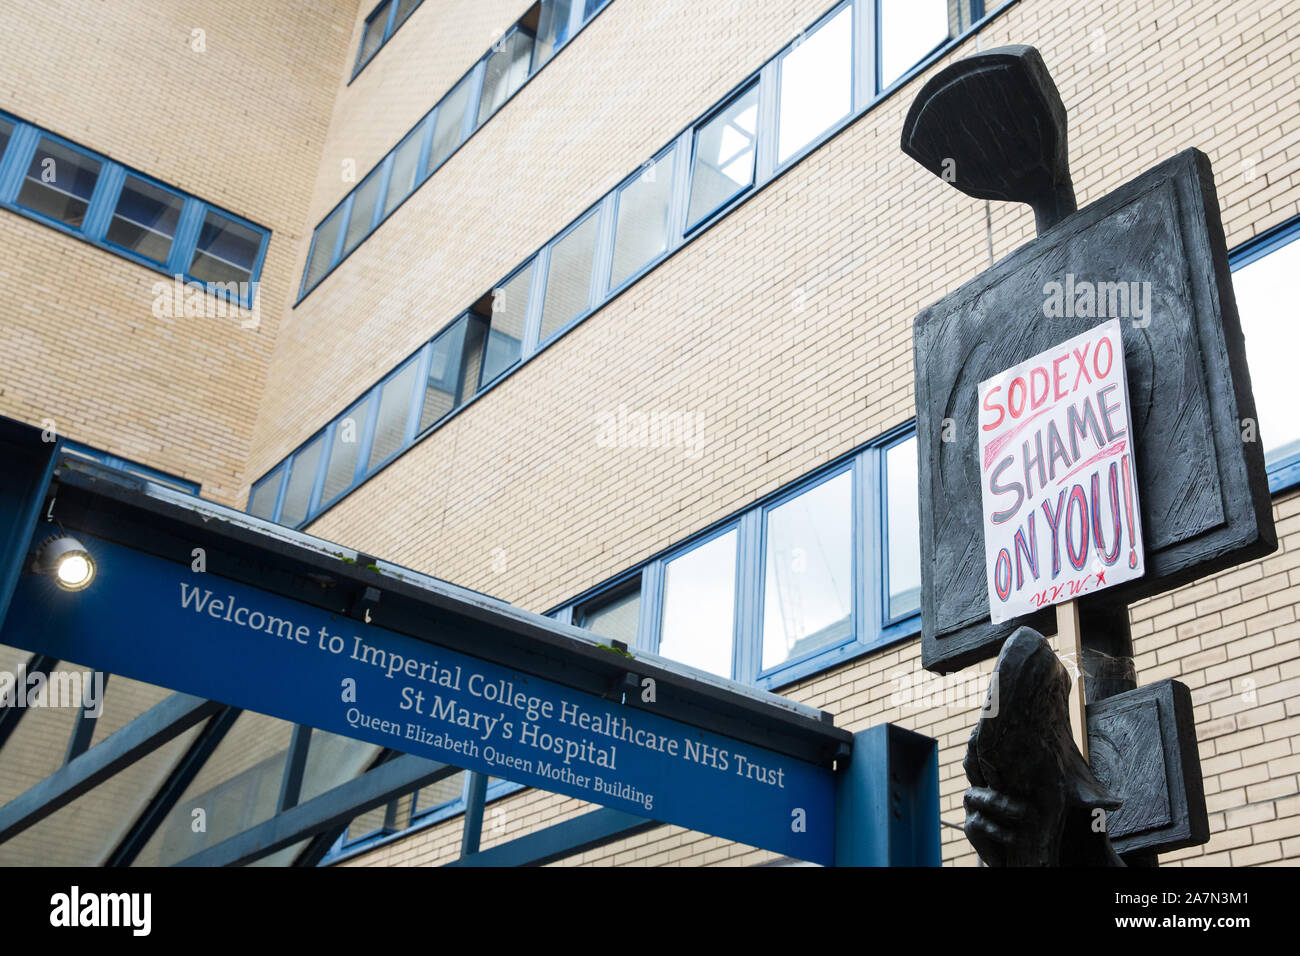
130, 467
808, 572
1263, 279
643, 226
816, 84
698, 618
570, 268
380, 26
724, 152
910, 30
814, 574
508, 66
82, 193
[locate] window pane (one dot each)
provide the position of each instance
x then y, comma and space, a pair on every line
298, 495
404, 8
592, 7
448, 124
1265, 293
904, 525
509, 304
808, 592
145, 219
59, 182
363, 210
568, 280
910, 29
699, 606
406, 163
614, 617
227, 250
641, 232
394, 409
374, 33
6, 131
322, 252
724, 155
344, 447
443, 389
816, 84
507, 69
552, 30
440, 793
262, 502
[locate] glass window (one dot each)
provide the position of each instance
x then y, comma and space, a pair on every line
904, 529
261, 503
297, 497
808, 571
612, 616
363, 211
6, 131
345, 445
394, 410
553, 29
724, 155
59, 182
145, 219
448, 123
507, 68
911, 29
322, 252
1264, 290
506, 334
641, 231
373, 37
406, 170
445, 387
404, 9
699, 606
568, 279
592, 8
226, 251
816, 84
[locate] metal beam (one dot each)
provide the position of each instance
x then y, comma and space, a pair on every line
475, 799
83, 731
328, 811
163, 722
587, 832
291, 784
173, 788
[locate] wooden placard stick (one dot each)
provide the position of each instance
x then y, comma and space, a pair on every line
1071, 639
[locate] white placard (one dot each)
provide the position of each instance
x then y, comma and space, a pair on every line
1060, 493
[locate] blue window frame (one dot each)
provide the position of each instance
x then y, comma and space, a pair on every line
131, 467
82, 193
380, 26
1263, 280
724, 156
821, 571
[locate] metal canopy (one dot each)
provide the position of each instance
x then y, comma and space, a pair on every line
150, 519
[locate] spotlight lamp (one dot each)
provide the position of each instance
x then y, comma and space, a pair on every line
65, 559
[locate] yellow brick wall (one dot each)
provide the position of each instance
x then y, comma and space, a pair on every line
864, 240
239, 124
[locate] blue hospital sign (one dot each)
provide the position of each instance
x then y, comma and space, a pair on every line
157, 621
